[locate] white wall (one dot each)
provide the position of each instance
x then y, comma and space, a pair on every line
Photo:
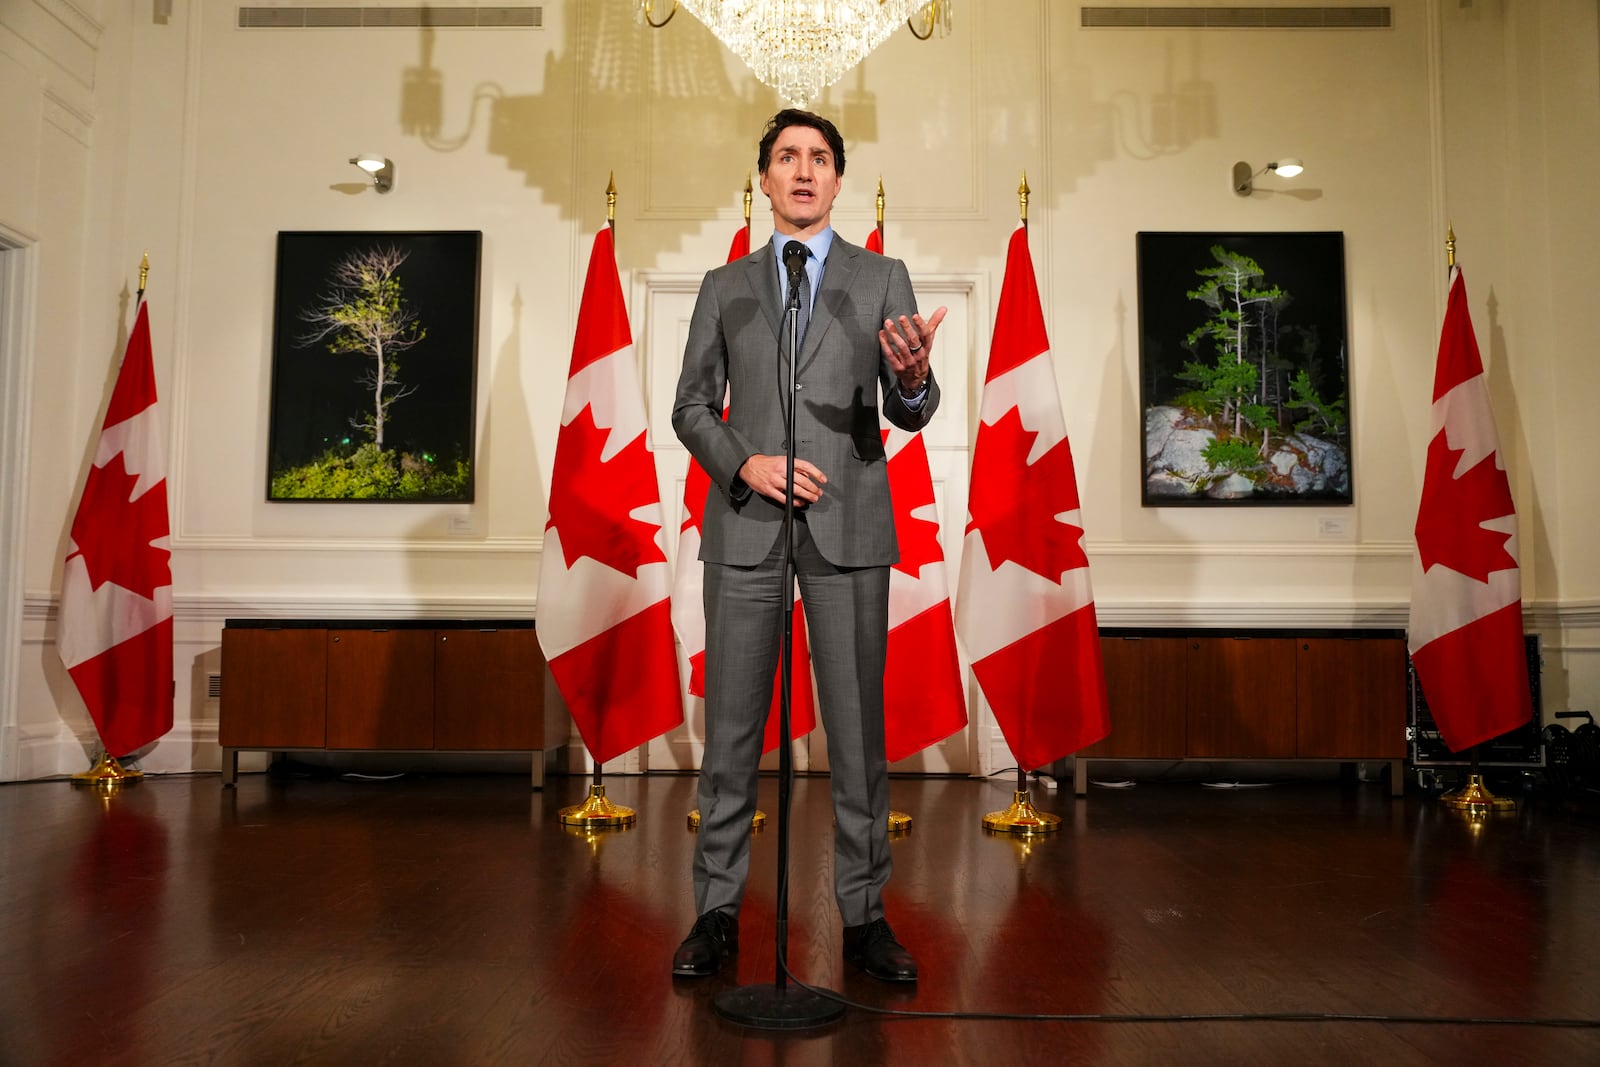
200, 141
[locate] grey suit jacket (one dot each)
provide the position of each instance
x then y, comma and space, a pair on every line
734, 341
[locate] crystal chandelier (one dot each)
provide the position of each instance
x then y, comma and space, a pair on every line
800, 47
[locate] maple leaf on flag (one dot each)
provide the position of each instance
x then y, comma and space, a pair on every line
103, 523
1450, 521
918, 537
696, 485
584, 505
1014, 505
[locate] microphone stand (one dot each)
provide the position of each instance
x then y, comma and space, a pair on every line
780, 1006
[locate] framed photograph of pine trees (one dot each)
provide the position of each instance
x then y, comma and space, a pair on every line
374, 367
1244, 373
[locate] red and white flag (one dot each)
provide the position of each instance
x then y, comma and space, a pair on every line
603, 608
688, 603
115, 628
922, 634
1466, 634
923, 702
1024, 608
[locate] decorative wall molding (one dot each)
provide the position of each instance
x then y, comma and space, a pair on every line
1315, 17
40, 608
214, 610
469, 546
432, 16
72, 120
78, 20
1370, 550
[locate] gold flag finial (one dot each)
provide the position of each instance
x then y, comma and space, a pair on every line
1449, 246
749, 195
144, 270
1022, 197
611, 199
878, 202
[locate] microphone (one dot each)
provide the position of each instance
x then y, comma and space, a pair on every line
794, 259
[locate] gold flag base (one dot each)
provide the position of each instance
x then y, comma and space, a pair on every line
1474, 798
598, 812
758, 821
106, 776
1021, 818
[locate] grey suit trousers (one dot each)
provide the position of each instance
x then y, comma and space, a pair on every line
848, 655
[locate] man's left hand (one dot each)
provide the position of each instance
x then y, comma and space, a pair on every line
907, 345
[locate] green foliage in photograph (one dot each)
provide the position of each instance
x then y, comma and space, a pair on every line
1232, 457
1322, 417
371, 473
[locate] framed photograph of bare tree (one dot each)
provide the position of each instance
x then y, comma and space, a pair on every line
1244, 370
374, 366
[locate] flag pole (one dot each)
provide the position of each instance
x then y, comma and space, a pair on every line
878, 202
1473, 799
597, 813
899, 821
1021, 817
108, 775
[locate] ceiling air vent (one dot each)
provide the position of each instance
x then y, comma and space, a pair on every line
1321, 17
497, 16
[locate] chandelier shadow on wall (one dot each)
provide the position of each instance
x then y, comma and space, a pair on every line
800, 47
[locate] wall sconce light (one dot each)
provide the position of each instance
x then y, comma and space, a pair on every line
1244, 178
380, 167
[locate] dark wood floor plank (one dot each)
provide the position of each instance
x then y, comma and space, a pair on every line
452, 920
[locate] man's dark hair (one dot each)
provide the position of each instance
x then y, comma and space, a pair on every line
790, 116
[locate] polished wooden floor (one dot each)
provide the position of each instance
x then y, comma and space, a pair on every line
451, 920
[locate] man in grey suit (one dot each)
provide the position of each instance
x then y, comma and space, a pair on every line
861, 334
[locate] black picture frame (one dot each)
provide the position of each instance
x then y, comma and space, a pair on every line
1271, 428
325, 419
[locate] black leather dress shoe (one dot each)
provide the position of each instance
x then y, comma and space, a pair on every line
713, 939
873, 949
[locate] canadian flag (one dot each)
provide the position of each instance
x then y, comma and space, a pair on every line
604, 615
1024, 608
688, 602
115, 629
922, 635
1466, 635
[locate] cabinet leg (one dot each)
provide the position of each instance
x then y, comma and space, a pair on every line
538, 768
1080, 776
1397, 777
230, 767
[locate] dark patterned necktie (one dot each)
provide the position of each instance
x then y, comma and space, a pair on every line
805, 308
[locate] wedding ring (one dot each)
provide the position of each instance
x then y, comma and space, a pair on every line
913, 348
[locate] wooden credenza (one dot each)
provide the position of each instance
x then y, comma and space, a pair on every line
456, 685
1253, 694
